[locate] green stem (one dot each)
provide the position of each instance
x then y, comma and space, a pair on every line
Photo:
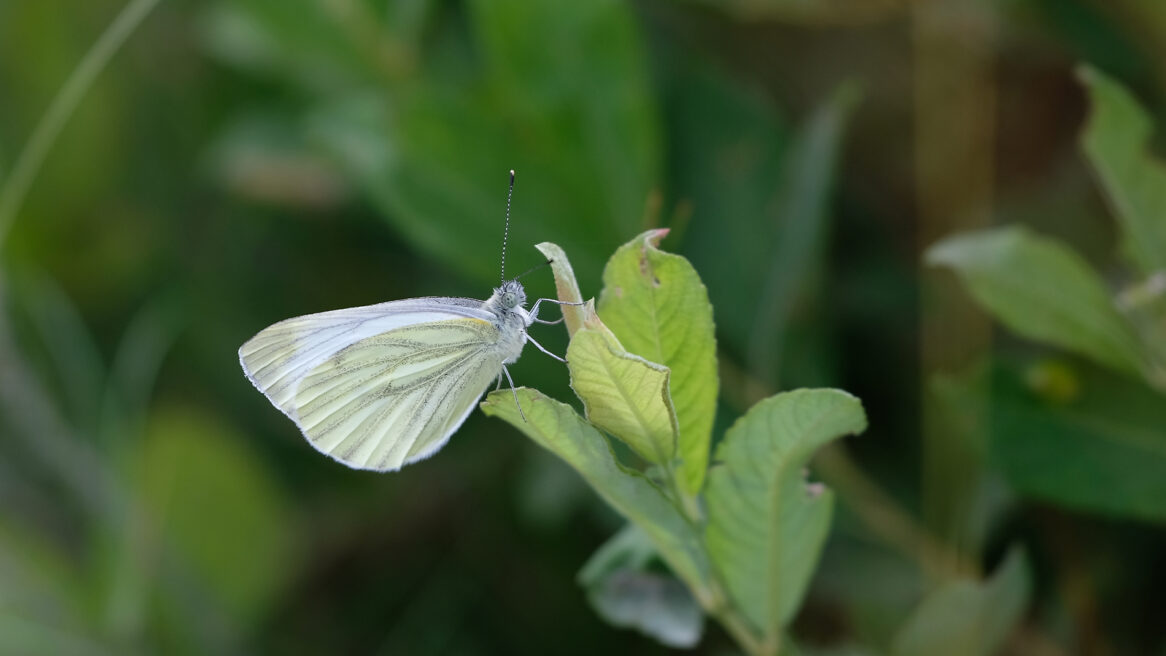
685, 502
742, 633
722, 608
715, 601
45, 134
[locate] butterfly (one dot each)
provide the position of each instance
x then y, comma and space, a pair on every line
381, 386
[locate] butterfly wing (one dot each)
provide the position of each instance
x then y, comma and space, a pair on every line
380, 386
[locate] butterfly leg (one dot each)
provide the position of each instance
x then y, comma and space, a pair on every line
534, 310
498, 384
514, 391
541, 348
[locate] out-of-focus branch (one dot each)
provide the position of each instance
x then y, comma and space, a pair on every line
32, 416
955, 169
30, 159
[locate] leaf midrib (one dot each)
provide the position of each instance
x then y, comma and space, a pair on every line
614, 376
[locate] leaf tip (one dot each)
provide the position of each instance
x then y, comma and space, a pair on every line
653, 237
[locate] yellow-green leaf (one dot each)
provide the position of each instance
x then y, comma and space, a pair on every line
623, 394
657, 306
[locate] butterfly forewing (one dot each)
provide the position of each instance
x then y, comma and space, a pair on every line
278, 358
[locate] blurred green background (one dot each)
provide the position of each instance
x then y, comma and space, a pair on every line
243, 161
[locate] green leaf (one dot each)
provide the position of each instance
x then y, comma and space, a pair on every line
968, 618
221, 508
792, 285
1116, 141
808, 12
558, 428
657, 306
766, 527
427, 110
560, 93
1042, 290
625, 591
1143, 304
1101, 448
728, 145
566, 287
759, 190
78, 371
623, 394
133, 374
310, 42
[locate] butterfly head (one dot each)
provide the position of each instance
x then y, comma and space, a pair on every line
510, 295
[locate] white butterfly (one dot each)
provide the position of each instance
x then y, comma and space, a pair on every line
381, 386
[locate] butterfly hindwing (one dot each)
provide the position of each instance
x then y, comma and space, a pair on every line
396, 397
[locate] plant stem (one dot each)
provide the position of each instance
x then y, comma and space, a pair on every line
719, 606
45, 134
742, 633
685, 502
715, 600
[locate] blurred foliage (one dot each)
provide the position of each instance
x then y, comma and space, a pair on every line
1106, 439
968, 619
626, 587
239, 162
421, 110
1116, 141
813, 12
1042, 290
1078, 436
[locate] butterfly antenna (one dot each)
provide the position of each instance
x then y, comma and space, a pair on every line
533, 269
506, 230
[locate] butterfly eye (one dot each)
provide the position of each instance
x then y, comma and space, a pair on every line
509, 300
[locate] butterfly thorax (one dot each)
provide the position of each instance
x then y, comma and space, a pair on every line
513, 319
